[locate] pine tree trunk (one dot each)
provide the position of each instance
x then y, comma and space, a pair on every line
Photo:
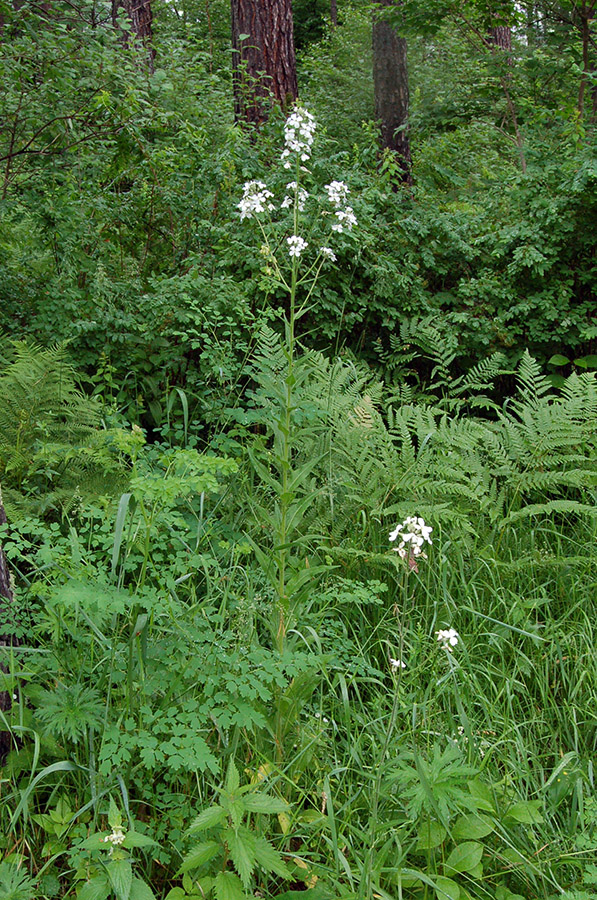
264, 62
334, 12
141, 17
390, 78
501, 36
6, 613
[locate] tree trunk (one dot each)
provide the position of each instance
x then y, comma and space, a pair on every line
390, 78
141, 17
264, 63
6, 601
501, 36
585, 13
334, 12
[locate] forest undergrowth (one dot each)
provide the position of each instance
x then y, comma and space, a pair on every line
341, 647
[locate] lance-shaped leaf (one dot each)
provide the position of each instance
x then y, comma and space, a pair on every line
199, 855
209, 818
241, 844
259, 802
120, 873
134, 839
269, 859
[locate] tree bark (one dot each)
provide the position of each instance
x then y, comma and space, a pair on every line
334, 12
6, 601
263, 59
390, 78
501, 36
585, 13
141, 17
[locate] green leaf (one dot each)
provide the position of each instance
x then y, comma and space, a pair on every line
270, 860
558, 360
430, 835
264, 803
586, 362
446, 889
203, 886
123, 504
472, 828
241, 844
526, 812
209, 818
232, 779
134, 839
176, 893
199, 855
476, 873
95, 842
114, 816
229, 887
97, 889
482, 795
120, 873
236, 809
140, 890
465, 856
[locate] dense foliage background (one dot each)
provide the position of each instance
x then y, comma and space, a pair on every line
202, 674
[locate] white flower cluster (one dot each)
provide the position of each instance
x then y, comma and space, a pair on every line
412, 535
296, 245
299, 131
116, 838
448, 638
328, 253
303, 195
397, 663
346, 219
338, 195
255, 199
337, 192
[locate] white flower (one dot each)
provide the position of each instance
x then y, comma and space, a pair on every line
117, 837
255, 199
328, 253
448, 638
299, 131
303, 195
346, 218
397, 663
412, 534
296, 245
337, 192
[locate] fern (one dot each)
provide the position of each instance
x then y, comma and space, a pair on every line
47, 426
537, 458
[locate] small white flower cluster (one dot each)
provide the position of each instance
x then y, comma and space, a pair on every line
303, 196
346, 219
299, 131
337, 195
328, 253
397, 663
412, 534
116, 838
255, 199
296, 245
448, 638
337, 192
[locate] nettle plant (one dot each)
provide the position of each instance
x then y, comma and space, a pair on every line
292, 264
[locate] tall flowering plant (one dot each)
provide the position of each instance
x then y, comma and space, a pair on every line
295, 262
